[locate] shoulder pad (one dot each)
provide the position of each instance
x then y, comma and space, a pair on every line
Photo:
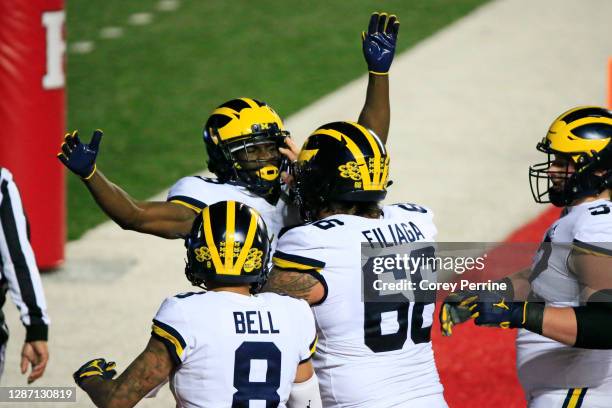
594, 224
287, 229
407, 209
193, 191
210, 180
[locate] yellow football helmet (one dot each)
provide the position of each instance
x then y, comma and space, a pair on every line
340, 161
242, 137
228, 244
583, 135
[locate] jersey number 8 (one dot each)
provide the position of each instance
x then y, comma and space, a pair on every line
264, 391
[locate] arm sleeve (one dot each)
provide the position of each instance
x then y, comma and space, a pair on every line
183, 192
593, 329
171, 328
18, 262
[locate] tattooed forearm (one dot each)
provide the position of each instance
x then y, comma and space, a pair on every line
296, 284
150, 369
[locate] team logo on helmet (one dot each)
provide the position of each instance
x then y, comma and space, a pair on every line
202, 254
253, 260
229, 244
350, 170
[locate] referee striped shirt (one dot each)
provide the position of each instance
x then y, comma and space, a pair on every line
18, 270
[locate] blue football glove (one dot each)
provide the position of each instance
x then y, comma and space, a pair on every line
80, 158
493, 310
95, 368
379, 42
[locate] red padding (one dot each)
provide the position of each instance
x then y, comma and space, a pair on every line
32, 116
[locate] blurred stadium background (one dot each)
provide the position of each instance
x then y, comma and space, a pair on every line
475, 87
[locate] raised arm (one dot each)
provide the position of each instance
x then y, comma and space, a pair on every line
378, 49
150, 369
164, 219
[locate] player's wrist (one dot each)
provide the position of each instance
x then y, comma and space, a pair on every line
89, 174
508, 291
36, 332
96, 368
88, 382
533, 316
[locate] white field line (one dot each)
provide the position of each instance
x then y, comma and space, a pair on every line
110, 33
81, 47
168, 5
139, 19
117, 31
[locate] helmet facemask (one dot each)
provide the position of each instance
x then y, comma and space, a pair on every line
549, 186
258, 163
580, 139
255, 161
563, 188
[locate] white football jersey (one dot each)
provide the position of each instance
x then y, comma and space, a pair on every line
233, 350
198, 192
544, 363
372, 354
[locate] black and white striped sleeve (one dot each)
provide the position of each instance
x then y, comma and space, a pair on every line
17, 261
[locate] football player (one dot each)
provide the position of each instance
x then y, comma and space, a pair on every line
375, 353
222, 346
245, 140
564, 345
